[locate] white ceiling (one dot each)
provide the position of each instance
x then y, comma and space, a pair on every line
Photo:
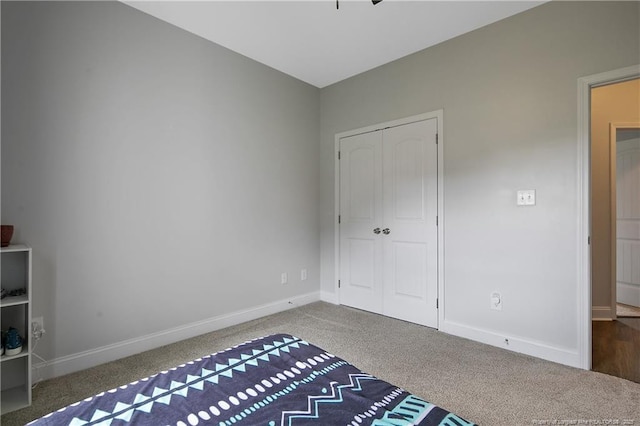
317, 43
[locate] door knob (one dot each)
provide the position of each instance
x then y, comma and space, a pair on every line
376, 231
386, 231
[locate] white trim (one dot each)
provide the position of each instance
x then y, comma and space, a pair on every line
393, 123
584, 203
91, 358
441, 219
513, 343
332, 298
613, 221
336, 227
602, 313
438, 115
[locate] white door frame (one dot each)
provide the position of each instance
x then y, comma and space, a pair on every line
613, 176
583, 187
440, 244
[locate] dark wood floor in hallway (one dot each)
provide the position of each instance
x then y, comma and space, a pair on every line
616, 348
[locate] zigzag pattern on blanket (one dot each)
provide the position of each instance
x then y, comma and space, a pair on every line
278, 379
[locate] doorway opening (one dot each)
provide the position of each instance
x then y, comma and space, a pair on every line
615, 226
583, 220
615, 214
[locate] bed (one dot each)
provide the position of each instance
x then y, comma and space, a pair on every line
275, 380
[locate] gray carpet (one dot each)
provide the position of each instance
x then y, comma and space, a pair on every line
486, 385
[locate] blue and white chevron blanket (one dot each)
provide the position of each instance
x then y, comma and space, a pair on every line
275, 380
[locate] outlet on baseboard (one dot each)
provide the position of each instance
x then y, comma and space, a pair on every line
303, 274
284, 278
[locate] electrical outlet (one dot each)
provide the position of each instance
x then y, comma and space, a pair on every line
496, 301
37, 327
526, 197
303, 274
284, 278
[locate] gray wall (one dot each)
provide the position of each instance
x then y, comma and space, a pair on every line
509, 94
161, 179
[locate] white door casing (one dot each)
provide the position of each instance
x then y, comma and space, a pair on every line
628, 221
388, 233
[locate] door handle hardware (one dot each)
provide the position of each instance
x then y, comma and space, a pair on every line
376, 231
386, 231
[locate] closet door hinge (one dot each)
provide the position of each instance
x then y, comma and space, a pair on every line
436, 220
338, 155
339, 219
437, 301
437, 138
338, 283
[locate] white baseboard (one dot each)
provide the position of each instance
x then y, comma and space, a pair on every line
93, 357
602, 313
325, 296
516, 344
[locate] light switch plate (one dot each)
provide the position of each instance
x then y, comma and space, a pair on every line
526, 197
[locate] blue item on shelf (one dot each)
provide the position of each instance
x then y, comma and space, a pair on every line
13, 342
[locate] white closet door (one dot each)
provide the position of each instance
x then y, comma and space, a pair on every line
410, 251
361, 213
388, 232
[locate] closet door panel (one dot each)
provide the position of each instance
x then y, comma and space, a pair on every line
409, 213
361, 213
